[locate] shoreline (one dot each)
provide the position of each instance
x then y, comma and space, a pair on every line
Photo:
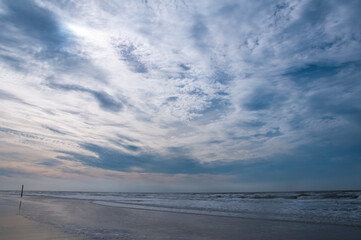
84, 218
213, 212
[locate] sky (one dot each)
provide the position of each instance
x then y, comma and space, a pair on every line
180, 95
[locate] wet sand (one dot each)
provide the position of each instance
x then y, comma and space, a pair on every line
14, 226
81, 217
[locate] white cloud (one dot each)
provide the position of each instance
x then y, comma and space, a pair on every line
187, 74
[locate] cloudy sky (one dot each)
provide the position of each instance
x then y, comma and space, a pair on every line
180, 95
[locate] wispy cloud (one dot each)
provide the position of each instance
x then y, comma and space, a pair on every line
105, 101
186, 87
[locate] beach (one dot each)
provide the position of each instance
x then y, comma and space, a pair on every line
15, 226
60, 218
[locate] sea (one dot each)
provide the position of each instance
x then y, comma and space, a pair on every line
330, 207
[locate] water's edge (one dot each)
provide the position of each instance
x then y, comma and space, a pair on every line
331, 207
